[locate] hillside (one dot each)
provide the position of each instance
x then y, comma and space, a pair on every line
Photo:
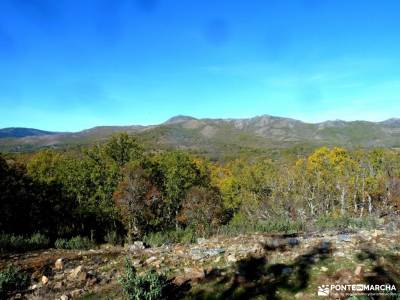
218, 136
18, 132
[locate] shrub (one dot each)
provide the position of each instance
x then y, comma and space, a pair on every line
201, 209
345, 222
149, 286
39, 241
18, 243
160, 238
61, 244
77, 242
241, 224
11, 279
113, 238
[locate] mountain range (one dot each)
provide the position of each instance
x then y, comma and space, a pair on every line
216, 136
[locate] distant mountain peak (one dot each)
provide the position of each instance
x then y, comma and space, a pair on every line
17, 132
179, 119
392, 122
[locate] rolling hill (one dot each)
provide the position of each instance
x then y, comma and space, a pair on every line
18, 132
219, 136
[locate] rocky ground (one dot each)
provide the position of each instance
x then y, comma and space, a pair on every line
257, 266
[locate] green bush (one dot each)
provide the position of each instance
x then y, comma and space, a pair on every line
77, 243
39, 241
11, 279
18, 243
61, 244
160, 238
113, 238
241, 225
149, 286
325, 222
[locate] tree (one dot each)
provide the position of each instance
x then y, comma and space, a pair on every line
122, 148
202, 209
139, 202
174, 173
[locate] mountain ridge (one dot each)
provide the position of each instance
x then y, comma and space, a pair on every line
221, 135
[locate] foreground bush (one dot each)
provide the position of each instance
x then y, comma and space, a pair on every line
113, 238
149, 286
11, 279
345, 222
18, 243
241, 224
75, 243
185, 236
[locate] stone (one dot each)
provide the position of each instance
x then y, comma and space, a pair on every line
339, 253
59, 264
64, 297
150, 260
293, 242
217, 260
136, 246
324, 269
179, 280
199, 253
231, 258
194, 273
358, 271
79, 273
59, 285
76, 293
299, 295
201, 240
376, 233
45, 280
136, 262
344, 238
287, 271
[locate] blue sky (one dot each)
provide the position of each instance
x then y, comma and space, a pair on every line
71, 65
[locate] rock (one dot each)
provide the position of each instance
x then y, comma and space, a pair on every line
64, 297
344, 238
136, 262
79, 273
199, 253
325, 246
358, 271
201, 240
59, 285
293, 242
376, 233
59, 264
338, 253
324, 269
194, 273
76, 293
231, 258
299, 295
179, 280
136, 246
58, 276
45, 280
287, 271
150, 260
